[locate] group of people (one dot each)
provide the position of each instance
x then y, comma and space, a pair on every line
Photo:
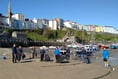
42, 52
44, 56
17, 54
61, 55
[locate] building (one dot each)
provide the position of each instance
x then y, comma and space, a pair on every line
89, 27
1, 21
109, 29
98, 29
29, 24
45, 22
56, 24
17, 24
80, 27
4, 21
72, 25
68, 24
39, 23
53, 24
18, 17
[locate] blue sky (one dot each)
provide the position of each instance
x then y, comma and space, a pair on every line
97, 12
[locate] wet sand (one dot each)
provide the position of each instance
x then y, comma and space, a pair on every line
34, 69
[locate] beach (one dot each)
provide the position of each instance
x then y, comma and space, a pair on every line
35, 69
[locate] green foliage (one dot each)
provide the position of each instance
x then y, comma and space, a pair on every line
35, 36
47, 34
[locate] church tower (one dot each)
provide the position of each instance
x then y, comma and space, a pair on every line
9, 13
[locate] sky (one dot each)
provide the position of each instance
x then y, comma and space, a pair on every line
95, 12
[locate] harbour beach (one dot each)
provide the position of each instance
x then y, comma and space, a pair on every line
35, 69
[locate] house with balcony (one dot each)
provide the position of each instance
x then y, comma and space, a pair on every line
28, 24
40, 23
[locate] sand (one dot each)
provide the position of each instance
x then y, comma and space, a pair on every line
34, 69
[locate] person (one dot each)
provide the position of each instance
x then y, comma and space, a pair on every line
83, 54
42, 53
14, 54
34, 53
57, 55
68, 53
20, 53
105, 56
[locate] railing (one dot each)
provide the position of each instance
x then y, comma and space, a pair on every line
27, 43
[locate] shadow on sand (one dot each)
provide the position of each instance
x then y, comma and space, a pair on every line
26, 61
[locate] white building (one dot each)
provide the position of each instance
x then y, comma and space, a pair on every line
53, 24
56, 24
68, 24
72, 25
18, 16
109, 29
80, 27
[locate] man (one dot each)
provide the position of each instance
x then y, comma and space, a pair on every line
20, 53
57, 55
34, 53
83, 55
14, 54
42, 53
105, 56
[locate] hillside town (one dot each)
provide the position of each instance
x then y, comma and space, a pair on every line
75, 51
19, 21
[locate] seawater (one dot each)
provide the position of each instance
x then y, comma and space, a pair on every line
113, 61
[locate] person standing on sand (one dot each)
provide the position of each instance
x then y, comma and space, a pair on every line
20, 53
105, 56
57, 55
34, 53
42, 53
83, 55
14, 54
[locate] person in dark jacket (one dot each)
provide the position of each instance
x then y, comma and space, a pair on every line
20, 53
42, 53
14, 54
83, 54
34, 53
